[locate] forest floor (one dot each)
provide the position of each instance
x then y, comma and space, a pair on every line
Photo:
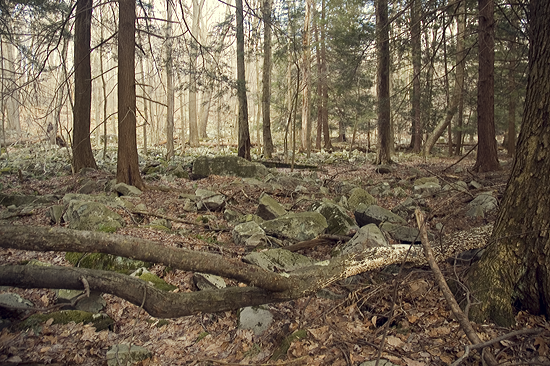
347, 331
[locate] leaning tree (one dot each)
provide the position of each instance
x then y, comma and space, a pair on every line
515, 269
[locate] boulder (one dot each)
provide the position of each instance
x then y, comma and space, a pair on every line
92, 304
482, 204
358, 196
154, 280
207, 281
403, 234
93, 216
278, 260
256, 318
242, 232
427, 189
209, 200
368, 236
205, 166
269, 208
23, 200
126, 190
424, 180
339, 223
298, 226
373, 214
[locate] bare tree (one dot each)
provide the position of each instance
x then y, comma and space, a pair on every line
169, 84
383, 155
266, 80
244, 134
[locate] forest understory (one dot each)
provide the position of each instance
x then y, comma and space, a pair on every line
402, 317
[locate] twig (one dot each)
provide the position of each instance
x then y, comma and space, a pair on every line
462, 158
459, 315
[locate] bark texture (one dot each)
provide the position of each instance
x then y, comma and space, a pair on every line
127, 163
515, 269
83, 156
244, 134
383, 155
416, 51
487, 159
266, 80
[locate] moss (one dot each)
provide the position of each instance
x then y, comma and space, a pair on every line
285, 344
106, 262
201, 336
107, 228
100, 322
157, 282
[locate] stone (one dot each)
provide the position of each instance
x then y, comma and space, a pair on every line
258, 319
244, 231
339, 223
161, 222
373, 214
106, 262
456, 186
23, 200
154, 280
92, 304
383, 362
359, 195
56, 213
231, 165
269, 208
209, 200
179, 172
230, 215
123, 354
99, 321
14, 303
299, 226
427, 189
93, 216
88, 186
481, 205
383, 169
403, 234
424, 180
368, 236
126, 190
207, 281
278, 260
475, 185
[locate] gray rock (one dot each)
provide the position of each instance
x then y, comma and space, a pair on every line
357, 196
205, 166
278, 260
127, 190
400, 233
209, 200
269, 208
231, 215
161, 222
56, 213
23, 200
88, 186
368, 236
424, 180
427, 189
179, 172
456, 186
122, 355
242, 232
339, 223
82, 215
207, 281
482, 204
373, 214
382, 362
383, 189
475, 185
299, 226
92, 304
258, 319
14, 301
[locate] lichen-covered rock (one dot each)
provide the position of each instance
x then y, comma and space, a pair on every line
123, 354
358, 196
424, 180
127, 190
373, 214
106, 262
205, 166
427, 189
153, 279
22, 200
209, 200
269, 208
207, 281
299, 226
279, 260
339, 223
403, 234
93, 216
482, 204
256, 318
101, 322
368, 236
242, 232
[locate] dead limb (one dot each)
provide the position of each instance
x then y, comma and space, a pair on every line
453, 304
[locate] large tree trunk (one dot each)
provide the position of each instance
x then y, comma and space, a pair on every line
83, 156
266, 80
193, 115
306, 95
383, 154
12, 100
323, 80
515, 269
461, 55
244, 135
487, 159
416, 51
127, 164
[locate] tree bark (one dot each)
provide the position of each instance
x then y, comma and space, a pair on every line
169, 84
383, 154
515, 269
487, 159
83, 156
127, 164
193, 119
416, 52
323, 80
306, 95
266, 81
244, 134
461, 55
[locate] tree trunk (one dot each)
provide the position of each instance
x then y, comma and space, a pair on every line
83, 156
169, 84
383, 154
323, 80
416, 51
244, 135
193, 120
127, 164
306, 65
487, 159
12, 101
461, 55
512, 95
515, 269
266, 81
